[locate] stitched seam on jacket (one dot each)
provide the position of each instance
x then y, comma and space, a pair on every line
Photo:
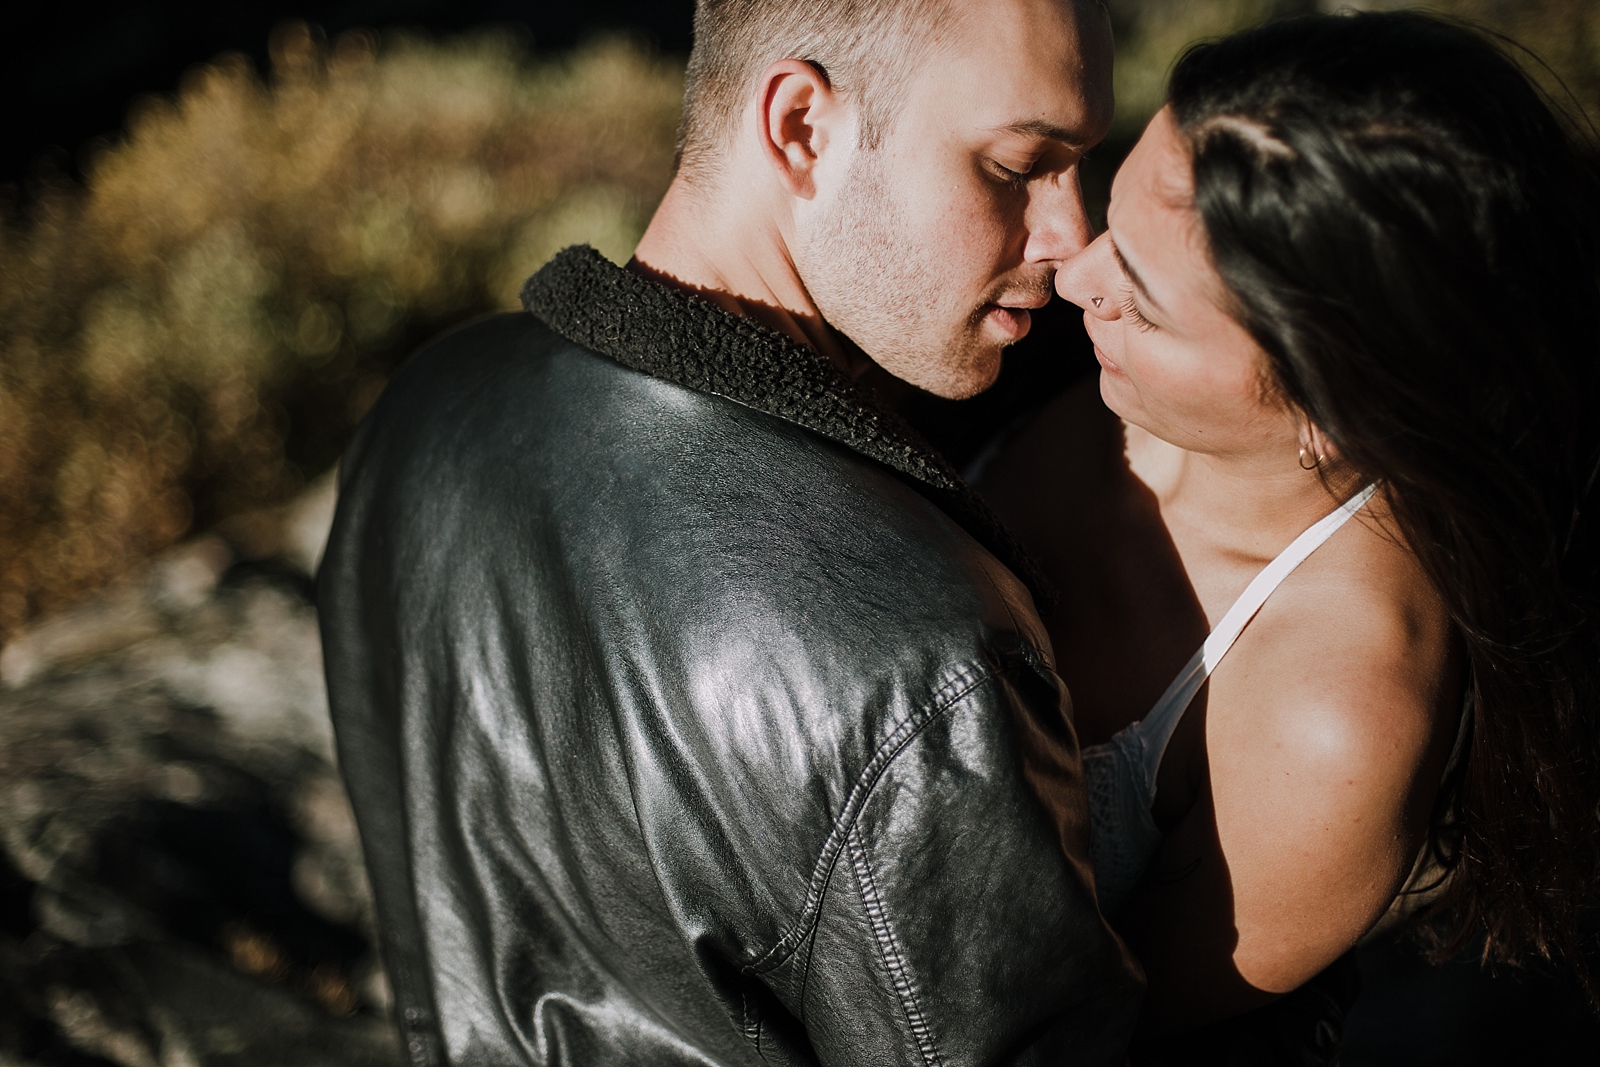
956, 687
752, 1022
889, 949
809, 946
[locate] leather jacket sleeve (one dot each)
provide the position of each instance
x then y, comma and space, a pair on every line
949, 927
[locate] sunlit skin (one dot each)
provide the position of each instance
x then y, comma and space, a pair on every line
1295, 795
922, 256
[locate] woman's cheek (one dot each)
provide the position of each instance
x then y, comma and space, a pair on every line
1169, 381
1143, 362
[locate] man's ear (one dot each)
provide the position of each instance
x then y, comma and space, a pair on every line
800, 117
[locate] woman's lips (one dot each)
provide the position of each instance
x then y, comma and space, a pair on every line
1105, 362
1090, 323
1014, 322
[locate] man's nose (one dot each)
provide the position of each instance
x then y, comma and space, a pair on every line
1058, 223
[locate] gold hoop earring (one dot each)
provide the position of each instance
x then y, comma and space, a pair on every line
1316, 460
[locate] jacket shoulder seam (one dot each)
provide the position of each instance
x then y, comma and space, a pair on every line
955, 688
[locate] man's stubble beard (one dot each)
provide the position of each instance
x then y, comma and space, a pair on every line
875, 282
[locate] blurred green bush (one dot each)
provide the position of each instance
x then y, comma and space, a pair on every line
194, 333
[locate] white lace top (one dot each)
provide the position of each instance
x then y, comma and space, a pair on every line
1121, 773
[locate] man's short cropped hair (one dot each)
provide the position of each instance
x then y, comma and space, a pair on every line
867, 49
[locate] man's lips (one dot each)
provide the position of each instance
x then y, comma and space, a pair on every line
1014, 318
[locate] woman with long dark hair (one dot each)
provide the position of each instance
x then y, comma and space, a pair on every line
1345, 443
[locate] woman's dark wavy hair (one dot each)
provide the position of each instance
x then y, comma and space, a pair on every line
1411, 232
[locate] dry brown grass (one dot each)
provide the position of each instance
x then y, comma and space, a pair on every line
195, 332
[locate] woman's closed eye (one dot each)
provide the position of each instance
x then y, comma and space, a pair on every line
1130, 311
1131, 285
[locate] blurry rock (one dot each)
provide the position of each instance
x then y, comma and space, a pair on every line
181, 880
260, 668
120, 615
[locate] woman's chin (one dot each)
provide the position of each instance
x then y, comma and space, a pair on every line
1115, 392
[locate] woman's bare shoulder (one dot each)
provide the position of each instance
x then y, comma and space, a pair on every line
1325, 743
1354, 658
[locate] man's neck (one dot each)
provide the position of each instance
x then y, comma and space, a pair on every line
738, 258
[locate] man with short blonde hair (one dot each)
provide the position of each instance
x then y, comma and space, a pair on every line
693, 708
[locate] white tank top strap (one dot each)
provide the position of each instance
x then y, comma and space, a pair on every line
1157, 727
1120, 774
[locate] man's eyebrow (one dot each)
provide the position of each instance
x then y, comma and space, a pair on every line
1042, 129
1133, 276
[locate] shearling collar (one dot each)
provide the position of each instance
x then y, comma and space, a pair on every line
674, 335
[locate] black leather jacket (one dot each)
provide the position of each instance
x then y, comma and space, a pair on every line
684, 726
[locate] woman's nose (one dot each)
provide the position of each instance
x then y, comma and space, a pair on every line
1085, 279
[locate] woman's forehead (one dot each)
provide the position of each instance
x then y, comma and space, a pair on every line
1159, 167
1152, 215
